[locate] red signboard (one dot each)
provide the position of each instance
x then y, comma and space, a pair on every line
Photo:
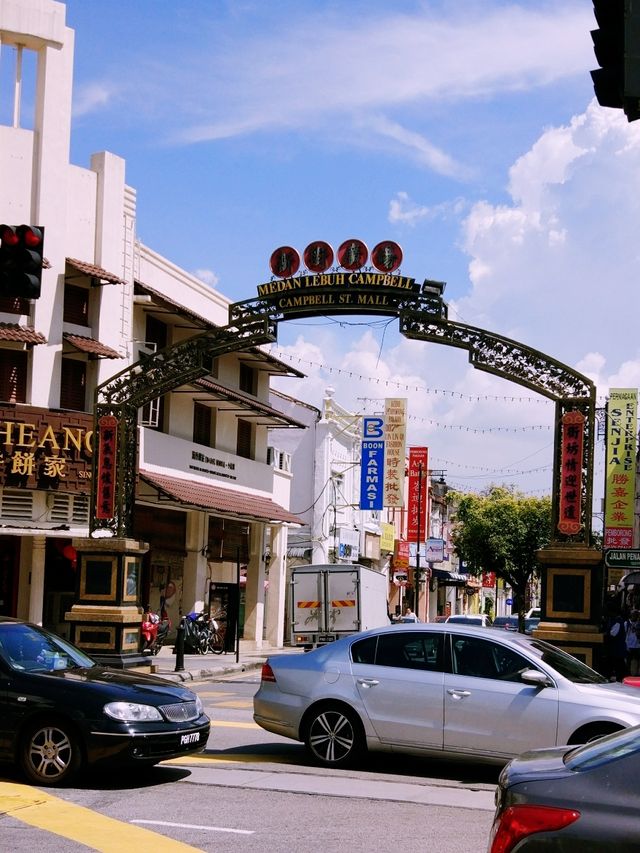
106, 466
571, 473
401, 555
418, 494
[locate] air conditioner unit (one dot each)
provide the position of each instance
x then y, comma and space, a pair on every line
143, 349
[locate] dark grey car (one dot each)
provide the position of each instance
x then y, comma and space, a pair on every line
571, 799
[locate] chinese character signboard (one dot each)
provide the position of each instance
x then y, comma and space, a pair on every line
418, 496
401, 555
620, 467
372, 463
395, 427
106, 467
571, 451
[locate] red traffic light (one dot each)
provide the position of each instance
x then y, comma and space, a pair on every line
30, 235
9, 235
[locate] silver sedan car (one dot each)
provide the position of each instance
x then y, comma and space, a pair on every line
438, 689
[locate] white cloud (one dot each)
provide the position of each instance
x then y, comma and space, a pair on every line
91, 97
207, 276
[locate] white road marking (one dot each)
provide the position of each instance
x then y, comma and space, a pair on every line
195, 826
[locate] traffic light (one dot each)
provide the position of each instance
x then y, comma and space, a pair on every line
21, 249
616, 44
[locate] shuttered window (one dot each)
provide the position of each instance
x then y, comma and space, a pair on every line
245, 439
14, 305
76, 305
13, 375
203, 425
73, 384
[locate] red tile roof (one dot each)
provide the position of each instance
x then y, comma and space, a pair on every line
14, 332
94, 271
89, 345
225, 501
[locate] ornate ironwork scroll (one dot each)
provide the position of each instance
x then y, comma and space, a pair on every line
518, 363
125, 393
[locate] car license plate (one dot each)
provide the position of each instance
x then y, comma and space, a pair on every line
192, 737
326, 638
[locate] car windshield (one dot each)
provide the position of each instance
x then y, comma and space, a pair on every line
565, 665
27, 647
604, 749
466, 620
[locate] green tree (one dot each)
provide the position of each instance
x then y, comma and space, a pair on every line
501, 530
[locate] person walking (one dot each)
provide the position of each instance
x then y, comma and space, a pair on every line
633, 643
616, 645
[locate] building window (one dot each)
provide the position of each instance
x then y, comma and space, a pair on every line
76, 305
245, 439
204, 425
13, 376
247, 379
156, 332
14, 305
73, 384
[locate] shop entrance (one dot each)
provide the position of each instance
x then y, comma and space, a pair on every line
9, 563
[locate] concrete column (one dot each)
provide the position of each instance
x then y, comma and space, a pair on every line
195, 580
277, 586
36, 590
254, 592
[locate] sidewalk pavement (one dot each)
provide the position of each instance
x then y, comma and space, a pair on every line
209, 666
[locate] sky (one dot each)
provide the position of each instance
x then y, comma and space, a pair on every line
466, 131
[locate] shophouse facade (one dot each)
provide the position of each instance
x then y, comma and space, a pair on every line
208, 499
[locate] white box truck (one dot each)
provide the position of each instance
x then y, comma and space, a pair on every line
333, 600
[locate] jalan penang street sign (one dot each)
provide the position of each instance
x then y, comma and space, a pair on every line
624, 558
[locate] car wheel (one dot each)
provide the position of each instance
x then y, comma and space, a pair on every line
50, 753
333, 736
592, 732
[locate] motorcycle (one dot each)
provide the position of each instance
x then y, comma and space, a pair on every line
154, 632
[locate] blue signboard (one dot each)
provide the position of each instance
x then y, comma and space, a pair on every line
372, 474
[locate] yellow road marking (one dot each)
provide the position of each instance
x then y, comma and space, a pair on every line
237, 703
87, 827
225, 724
228, 759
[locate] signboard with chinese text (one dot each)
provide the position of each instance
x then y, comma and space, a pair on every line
571, 451
43, 449
620, 467
106, 467
418, 494
401, 555
489, 579
395, 428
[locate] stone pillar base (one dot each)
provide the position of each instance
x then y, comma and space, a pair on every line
106, 617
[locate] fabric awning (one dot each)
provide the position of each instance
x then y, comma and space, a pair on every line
22, 334
449, 578
225, 501
100, 275
90, 346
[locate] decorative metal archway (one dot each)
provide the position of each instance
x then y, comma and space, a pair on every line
422, 315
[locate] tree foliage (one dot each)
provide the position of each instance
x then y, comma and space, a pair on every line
500, 530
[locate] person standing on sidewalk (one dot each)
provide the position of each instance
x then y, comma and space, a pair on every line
633, 643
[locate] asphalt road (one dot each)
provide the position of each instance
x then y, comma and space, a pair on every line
252, 791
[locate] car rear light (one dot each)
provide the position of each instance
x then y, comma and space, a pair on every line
517, 822
267, 673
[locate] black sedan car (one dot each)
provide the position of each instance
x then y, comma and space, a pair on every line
60, 711
571, 798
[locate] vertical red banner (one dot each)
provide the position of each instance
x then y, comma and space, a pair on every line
106, 467
569, 521
418, 494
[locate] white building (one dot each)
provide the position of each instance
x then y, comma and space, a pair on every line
208, 498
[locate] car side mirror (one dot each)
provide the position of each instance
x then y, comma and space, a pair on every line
535, 677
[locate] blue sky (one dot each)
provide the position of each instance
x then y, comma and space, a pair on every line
466, 131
